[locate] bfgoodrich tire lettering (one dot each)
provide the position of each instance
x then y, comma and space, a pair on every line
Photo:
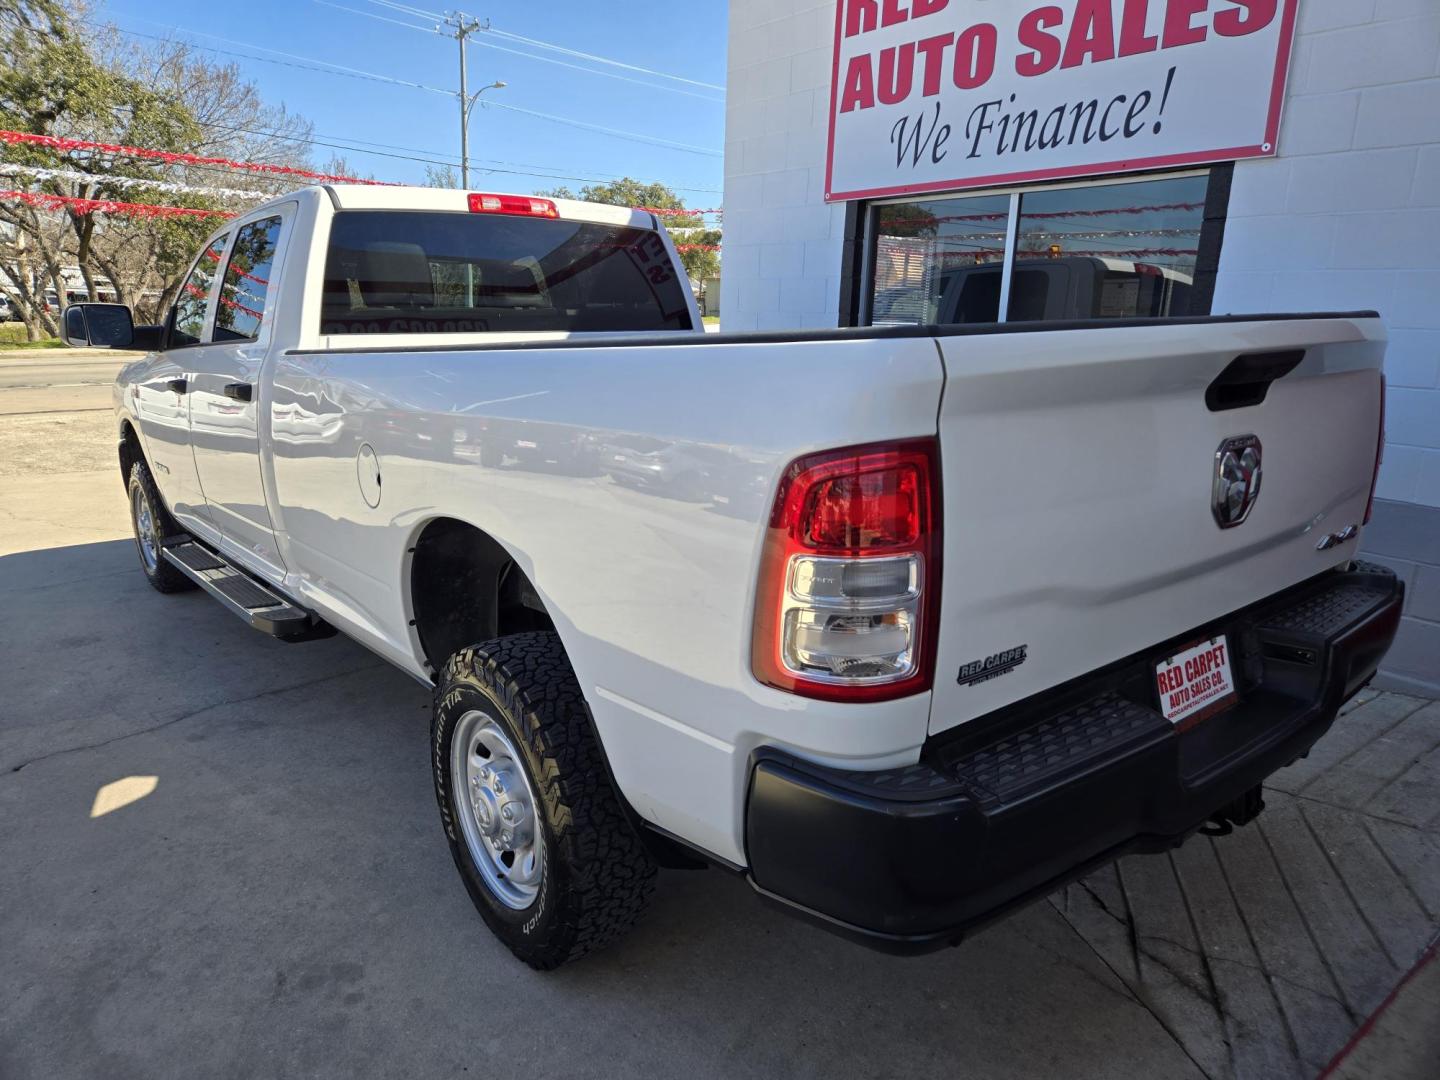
597, 875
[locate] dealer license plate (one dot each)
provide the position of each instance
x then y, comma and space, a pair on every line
1196, 683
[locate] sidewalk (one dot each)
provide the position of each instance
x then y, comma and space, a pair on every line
1262, 952
1401, 1039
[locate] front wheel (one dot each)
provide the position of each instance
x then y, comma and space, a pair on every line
153, 525
538, 834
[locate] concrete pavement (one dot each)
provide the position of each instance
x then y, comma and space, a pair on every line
59, 473
1400, 1038
1263, 950
282, 903
222, 858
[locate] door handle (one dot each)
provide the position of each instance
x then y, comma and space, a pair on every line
240, 391
180, 386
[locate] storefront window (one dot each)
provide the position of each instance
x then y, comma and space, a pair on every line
939, 261
1119, 251
1107, 251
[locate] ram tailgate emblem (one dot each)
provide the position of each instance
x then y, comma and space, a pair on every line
1237, 480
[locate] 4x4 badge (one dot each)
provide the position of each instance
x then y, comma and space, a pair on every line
1237, 480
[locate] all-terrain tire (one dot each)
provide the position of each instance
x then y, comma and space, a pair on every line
162, 527
598, 874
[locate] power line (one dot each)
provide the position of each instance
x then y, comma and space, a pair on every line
308, 66
338, 68
372, 15
488, 165
604, 130
372, 76
528, 55
361, 74
170, 157
422, 13
592, 71
601, 59
492, 165
314, 139
407, 9
439, 157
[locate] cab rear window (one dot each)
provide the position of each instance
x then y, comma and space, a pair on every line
415, 272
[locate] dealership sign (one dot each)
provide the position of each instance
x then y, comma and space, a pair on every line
931, 95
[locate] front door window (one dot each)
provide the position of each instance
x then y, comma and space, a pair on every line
191, 307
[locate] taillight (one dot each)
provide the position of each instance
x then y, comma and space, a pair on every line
525, 205
1379, 456
850, 575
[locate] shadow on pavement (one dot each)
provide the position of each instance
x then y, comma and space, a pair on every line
280, 901
269, 894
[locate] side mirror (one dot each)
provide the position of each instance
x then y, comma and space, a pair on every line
100, 326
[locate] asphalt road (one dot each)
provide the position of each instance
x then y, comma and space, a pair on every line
220, 857
52, 368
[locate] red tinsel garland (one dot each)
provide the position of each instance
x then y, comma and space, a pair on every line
55, 142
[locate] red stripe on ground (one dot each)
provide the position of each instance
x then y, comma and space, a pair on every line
1427, 957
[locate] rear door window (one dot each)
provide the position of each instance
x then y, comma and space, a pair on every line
412, 272
247, 281
192, 305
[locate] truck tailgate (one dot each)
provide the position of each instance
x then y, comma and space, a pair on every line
1079, 472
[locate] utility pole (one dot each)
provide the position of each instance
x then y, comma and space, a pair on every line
460, 26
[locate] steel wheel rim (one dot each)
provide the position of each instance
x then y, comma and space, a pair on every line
145, 529
497, 808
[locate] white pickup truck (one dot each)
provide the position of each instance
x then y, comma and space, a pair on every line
908, 625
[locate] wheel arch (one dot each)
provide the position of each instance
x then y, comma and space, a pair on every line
463, 586
129, 447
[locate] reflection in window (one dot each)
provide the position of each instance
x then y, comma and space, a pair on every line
939, 261
1118, 251
247, 282
396, 272
1108, 251
194, 296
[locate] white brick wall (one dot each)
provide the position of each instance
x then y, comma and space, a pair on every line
782, 242
1347, 217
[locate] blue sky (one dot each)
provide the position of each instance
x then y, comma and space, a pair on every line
686, 40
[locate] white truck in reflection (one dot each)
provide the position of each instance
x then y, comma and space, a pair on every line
1064, 287
908, 625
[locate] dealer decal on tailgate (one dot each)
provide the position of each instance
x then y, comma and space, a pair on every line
1195, 683
993, 666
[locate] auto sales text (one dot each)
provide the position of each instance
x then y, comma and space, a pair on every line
967, 59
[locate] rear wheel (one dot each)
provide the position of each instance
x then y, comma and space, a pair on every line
153, 525
538, 834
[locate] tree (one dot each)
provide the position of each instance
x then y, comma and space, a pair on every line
30, 27
339, 165
442, 176
232, 120
909, 219
699, 245
165, 97
40, 16
699, 251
